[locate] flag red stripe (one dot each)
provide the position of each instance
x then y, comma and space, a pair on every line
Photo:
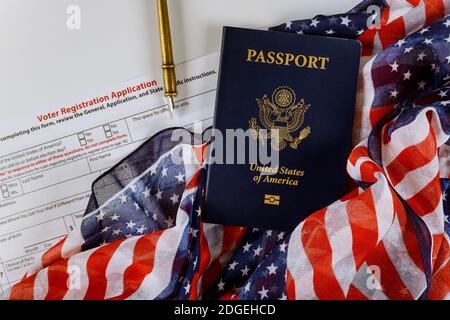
363, 222
290, 286
391, 283
96, 270
412, 158
143, 259
434, 10
318, 249
24, 290
53, 254
57, 280
427, 199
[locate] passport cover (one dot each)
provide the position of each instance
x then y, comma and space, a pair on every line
304, 86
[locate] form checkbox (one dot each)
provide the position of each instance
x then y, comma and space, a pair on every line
4, 187
107, 130
82, 139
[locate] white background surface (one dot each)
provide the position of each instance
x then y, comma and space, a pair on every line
43, 64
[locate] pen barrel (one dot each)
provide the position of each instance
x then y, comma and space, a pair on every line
168, 65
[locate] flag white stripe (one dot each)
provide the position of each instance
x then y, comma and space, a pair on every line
415, 18
299, 267
412, 276
414, 181
405, 137
384, 205
339, 232
120, 261
40, 289
165, 253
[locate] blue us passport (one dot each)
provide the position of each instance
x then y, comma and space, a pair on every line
282, 127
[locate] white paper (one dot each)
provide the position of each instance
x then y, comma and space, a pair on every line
50, 156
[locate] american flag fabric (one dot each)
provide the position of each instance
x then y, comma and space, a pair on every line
142, 235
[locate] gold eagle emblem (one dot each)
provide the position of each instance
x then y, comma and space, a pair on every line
284, 114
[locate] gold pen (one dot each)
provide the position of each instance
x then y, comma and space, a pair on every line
168, 66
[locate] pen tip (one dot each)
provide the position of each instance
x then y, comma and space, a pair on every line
170, 104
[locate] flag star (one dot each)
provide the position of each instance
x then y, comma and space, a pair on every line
153, 170
314, 22
116, 232
283, 247
408, 50
447, 77
300, 32
193, 232
187, 288
444, 196
199, 212
158, 195
424, 30
105, 229
448, 38
281, 236
445, 103
123, 198
255, 230
247, 287
400, 42
233, 265
446, 219
269, 233
141, 229
283, 297
131, 224
407, 75
128, 235
421, 56
394, 93
115, 217
146, 192
169, 221
421, 84
180, 177
428, 41
221, 285
257, 251
288, 25
247, 247
174, 198
136, 205
360, 32
164, 172
447, 23
448, 59
155, 216
443, 94
332, 20
331, 31
272, 269
394, 66
100, 215
345, 21
245, 271
263, 292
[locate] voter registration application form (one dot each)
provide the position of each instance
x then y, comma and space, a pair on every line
50, 156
